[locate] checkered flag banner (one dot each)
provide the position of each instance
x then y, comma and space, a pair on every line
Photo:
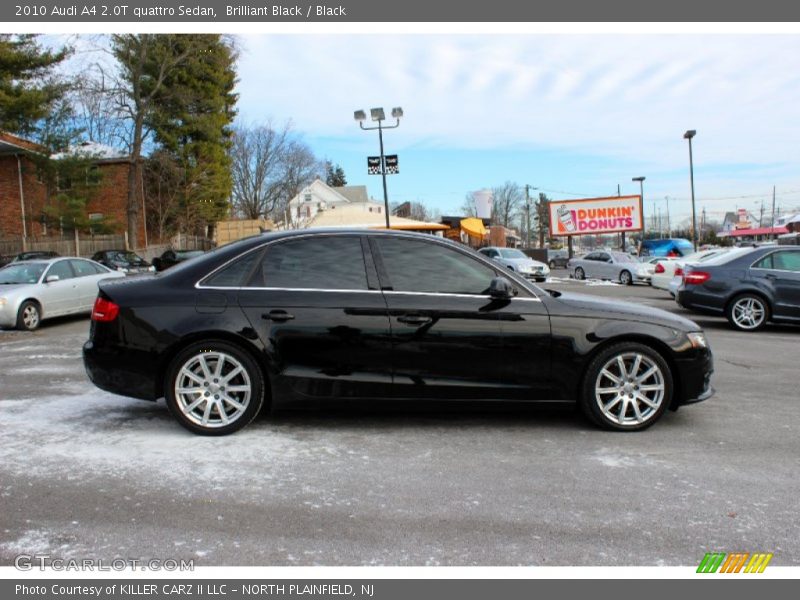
373, 165
392, 166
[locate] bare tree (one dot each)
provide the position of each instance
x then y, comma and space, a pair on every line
299, 168
507, 203
144, 60
257, 154
469, 208
162, 180
98, 109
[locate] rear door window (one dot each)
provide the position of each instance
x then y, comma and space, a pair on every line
786, 261
322, 263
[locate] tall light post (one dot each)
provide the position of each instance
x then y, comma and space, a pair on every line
669, 226
688, 136
377, 114
641, 193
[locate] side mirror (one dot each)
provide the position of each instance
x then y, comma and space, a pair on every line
500, 287
51, 278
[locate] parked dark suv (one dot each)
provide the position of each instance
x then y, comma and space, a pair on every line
123, 260
750, 286
305, 317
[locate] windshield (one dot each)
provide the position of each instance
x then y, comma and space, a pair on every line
22, 273
186, 254
129, 257
512, 253
623, 258
719, 259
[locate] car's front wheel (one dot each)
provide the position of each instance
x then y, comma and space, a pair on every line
580, 274
552, 264
627, 387
214, 388
625, 278
748, 312
29, 316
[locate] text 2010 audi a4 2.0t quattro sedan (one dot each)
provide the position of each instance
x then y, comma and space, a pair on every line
301, 317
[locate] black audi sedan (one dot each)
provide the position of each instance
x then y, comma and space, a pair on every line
124, 261
750, 286
302, 317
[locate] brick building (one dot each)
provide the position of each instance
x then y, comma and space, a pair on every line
23, 197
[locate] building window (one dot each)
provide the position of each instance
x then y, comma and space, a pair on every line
63, 183
93, 175
308, 198
95, 216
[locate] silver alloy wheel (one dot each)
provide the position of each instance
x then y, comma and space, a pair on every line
630, 388
748, 312
30, 316
582, 274
625, 278
213, 389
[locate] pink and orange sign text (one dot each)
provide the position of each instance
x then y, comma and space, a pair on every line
596, 215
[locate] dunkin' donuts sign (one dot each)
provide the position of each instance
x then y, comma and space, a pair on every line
596, 215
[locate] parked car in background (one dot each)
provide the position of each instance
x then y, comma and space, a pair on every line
669, 271
170, 258
615, 266
33, 290
557, 259
30, 255
124, 261
666, 247
517, 261
299, 317
750, 286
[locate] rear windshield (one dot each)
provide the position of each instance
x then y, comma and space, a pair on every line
725, 257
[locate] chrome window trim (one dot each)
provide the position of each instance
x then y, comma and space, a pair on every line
534, 296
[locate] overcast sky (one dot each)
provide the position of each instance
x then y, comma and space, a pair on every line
564, 113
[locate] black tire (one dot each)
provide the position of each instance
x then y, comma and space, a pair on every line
29, 316
552, 264
590, 398
625, 277
760, 312
251, 376
580, 273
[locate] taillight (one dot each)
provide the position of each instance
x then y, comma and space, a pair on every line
104, 310
678, 272
696, 277
659, 268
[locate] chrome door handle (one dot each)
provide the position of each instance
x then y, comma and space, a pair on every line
414, 319
279, 316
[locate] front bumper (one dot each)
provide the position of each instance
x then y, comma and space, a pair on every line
694, 376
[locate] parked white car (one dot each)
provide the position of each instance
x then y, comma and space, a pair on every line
39, 289
664, 274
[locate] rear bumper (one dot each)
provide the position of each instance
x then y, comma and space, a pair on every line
107, 369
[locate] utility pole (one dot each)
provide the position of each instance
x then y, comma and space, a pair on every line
528, 216
772, 223
622, 233
761, 215
669, 227
702, 223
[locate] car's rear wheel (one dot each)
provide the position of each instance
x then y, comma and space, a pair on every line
29, 316
625, 278
748, 312
627, 387
214, 388
552, 264
579, 273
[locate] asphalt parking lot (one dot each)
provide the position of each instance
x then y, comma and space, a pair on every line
84, 473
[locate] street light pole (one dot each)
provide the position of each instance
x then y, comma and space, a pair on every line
379, 116
688, 136
641, 195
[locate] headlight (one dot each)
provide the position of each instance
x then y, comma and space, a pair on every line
698, 339
3, 301
151, 268
122, 269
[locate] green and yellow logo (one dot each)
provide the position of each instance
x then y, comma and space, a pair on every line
734, 562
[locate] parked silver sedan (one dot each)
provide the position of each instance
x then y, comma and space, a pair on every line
615, 266
39, 289
517, 260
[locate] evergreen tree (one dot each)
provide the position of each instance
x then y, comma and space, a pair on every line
195, 109
334, 175
29, 88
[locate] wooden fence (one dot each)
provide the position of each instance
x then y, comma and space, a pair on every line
87, 245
